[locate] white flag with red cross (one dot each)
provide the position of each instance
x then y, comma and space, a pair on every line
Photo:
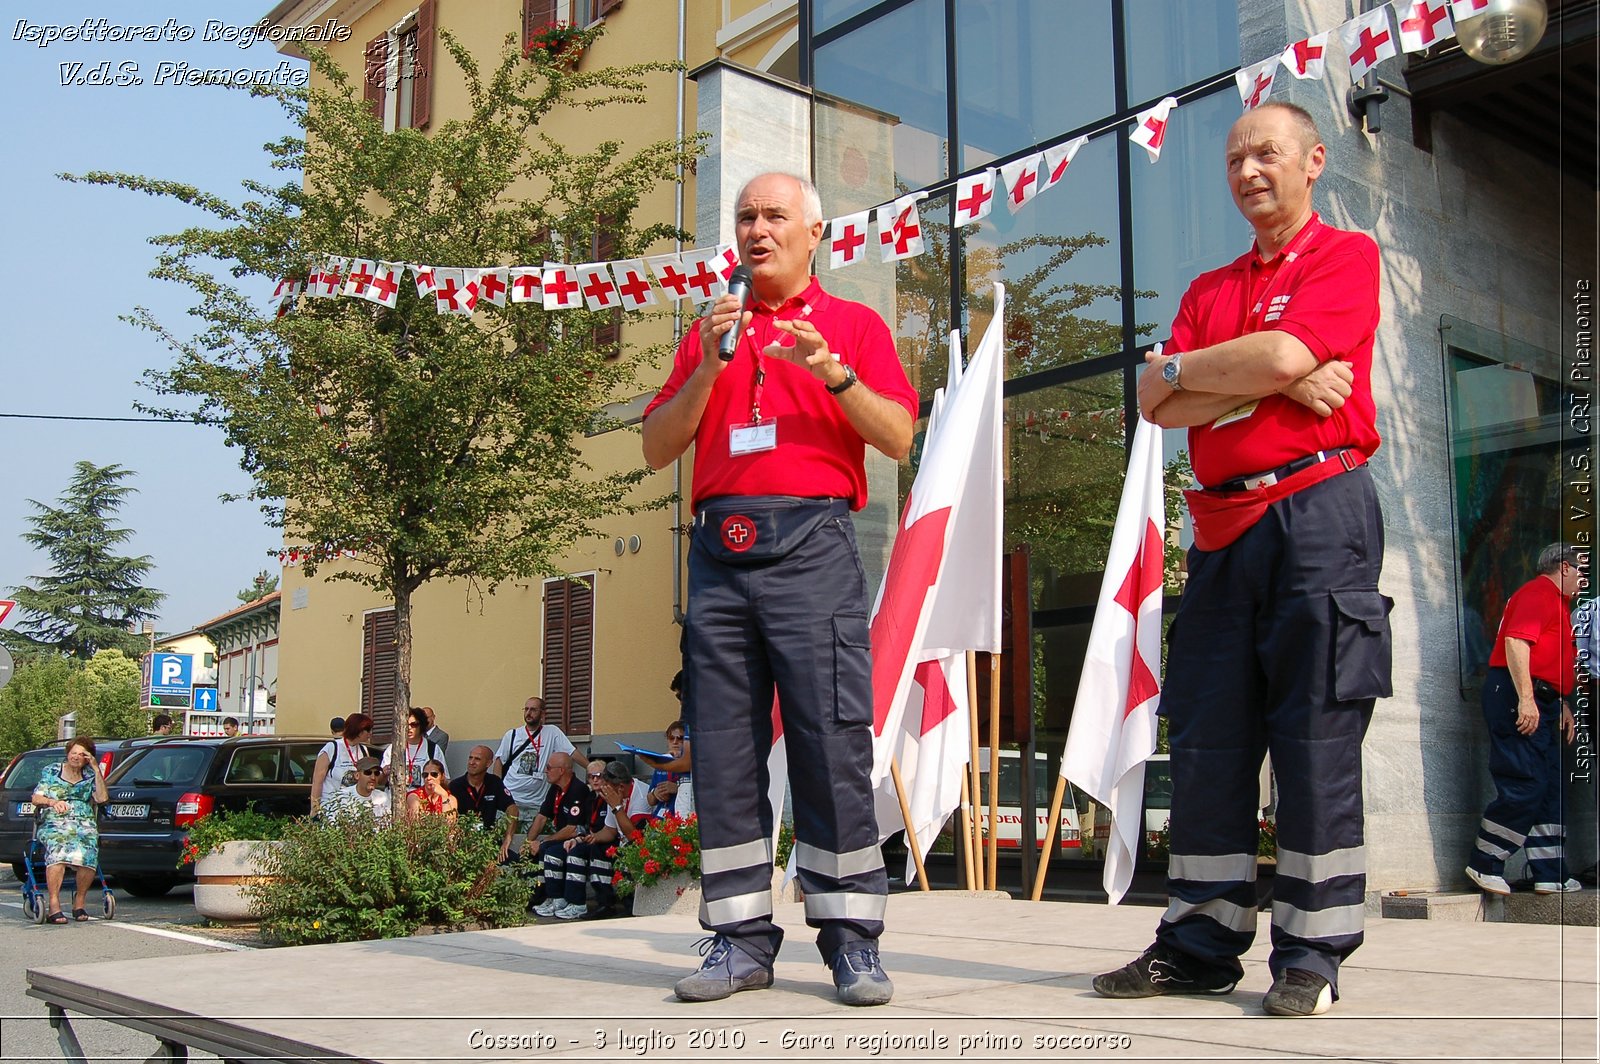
700, 268
560, 287
1057, 158
1368, 41
594, 281
724, 262
526, 284
974, 197
1021, 178
1113, 729
1461, 10
847, 240
1307, 59
454, 291
1150, 127
1255, 82
426, 281
330, 278
357, 278
384, 288
1423, 23
285, 291
900, 228
494, 285
670, 275
633, 283
941, 594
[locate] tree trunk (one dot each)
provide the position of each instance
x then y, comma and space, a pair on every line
399, 782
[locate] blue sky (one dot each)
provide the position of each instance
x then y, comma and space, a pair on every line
76, 257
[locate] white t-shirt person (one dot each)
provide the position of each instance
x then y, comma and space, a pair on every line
342, 757
524, 752
350, 800
638, 803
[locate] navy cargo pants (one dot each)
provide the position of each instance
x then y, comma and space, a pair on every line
778, 604
1526, 811
1281, 643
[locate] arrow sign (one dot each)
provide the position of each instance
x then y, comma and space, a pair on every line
6, 606
205, 699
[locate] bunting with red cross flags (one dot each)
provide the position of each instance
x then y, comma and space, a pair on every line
700, 269
1368, 41
526, 284
357, 278
494, 285
1113, 729
560, 286
426, 282
1255, 82
670, 275
847, 240
454, 292
900, 228
384, 288
724, 262
1021, 178
1057, 158
284, 294
1150, 127
594, 281
1461, 10
329, 279
974, 197
1307, 59
1423, 23
633, 283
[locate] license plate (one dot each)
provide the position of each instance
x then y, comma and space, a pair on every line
127, 810
25, 809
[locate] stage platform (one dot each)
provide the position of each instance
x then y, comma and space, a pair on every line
976, 978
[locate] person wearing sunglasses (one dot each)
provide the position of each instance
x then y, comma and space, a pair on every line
366, 793
420, 748
434, 795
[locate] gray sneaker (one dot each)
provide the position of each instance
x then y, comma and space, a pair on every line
725, 971
858, 977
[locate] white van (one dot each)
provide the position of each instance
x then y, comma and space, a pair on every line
1009, 835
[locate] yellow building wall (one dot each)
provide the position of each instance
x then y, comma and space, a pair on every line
477, 655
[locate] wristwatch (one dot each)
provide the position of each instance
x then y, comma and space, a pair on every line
1170, 371
845, 385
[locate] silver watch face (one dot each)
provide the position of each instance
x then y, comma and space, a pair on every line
1169, 372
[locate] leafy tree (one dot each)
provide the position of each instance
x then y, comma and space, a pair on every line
37, 696
263, 585
93, 595
105, 695
403, 446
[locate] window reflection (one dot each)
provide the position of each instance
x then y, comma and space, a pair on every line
1170, 45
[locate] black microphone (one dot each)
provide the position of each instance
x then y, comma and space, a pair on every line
738, 285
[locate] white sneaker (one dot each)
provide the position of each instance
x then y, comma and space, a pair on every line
571, 911
1557, 888
1487, 883
549, 906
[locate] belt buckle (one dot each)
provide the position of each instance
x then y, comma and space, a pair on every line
1346, 459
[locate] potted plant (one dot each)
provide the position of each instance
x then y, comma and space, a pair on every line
555, 42
228, 849
660, 866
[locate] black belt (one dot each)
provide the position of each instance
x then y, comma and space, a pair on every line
1272, 476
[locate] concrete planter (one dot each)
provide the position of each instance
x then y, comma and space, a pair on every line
222, 878
680, 894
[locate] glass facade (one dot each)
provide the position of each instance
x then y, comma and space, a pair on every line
1093, 268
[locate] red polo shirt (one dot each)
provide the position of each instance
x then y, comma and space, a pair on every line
1323, 290
819, 453
1539, 614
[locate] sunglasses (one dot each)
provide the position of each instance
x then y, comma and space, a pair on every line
372, 772
433, 775
674, 738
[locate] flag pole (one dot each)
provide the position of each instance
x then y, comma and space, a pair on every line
994, 770
1050, 843
905, 818
966, 829
975, 771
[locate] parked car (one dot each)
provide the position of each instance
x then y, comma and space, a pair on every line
16, 811
163, 788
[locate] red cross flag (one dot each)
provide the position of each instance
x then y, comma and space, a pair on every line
449, 292
1150, 127
633, 283
900, 228
1113, 729
847, 240
384, 288
527, 284
1255, 82
974, 197
330, 278
704, 280
357, 278
494, 285
1465, 9
1307, 59
594, 281
426, 282
1021, 178
284, 293
1056, 160
1423, 23
1368, 41
941, 594
560, 286
670, 275
724, 262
